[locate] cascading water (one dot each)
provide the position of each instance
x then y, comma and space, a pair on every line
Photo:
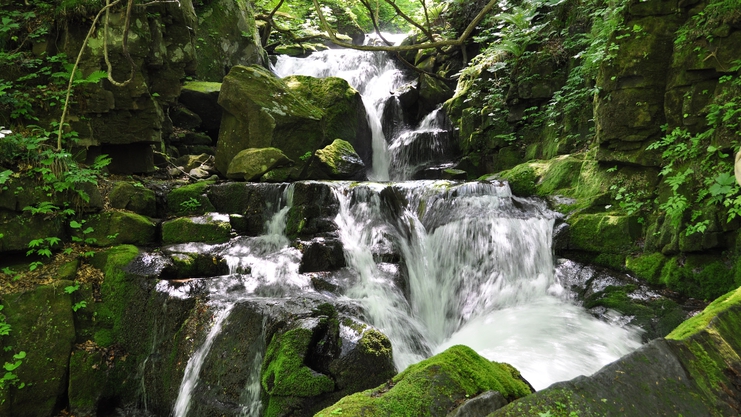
480, 272
377, 78
431, 263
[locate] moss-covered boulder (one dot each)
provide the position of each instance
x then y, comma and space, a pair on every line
344, 113
116, 228
261, 111
337, 161
19, 230
211, 228
693, 372
134, 197
312, 362
226, 35
604, 233
192, 265
434, 387
42, 327
251, 164
189, 200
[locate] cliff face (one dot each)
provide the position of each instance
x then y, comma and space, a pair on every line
166, 42
643, 98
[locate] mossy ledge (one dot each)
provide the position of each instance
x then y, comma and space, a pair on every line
434, 387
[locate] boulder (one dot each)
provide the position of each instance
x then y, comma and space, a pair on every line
337, 161
313, 211
189, 199
314, 361
604, 233
250, 204
19, 230
41, 326
251, 164
201, 97
116, 228
320, 254
344, 113
434, 387
134, 197
261, 111
211, 228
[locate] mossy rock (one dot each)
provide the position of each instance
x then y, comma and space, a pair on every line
522, 179
19, 230
657, 317
284, 372
189, 200
261, 111
562, 175
700, 276
211, 228
337, 161
251, 164
201, 97
604, 233
434, 387
344, 112
41, 325
646, 266
226, 35
87, 374
133, 197
192, 265
118, 228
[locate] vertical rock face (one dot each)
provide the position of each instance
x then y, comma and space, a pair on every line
125, 121
226, 36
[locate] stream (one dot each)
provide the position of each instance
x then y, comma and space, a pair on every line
475, 264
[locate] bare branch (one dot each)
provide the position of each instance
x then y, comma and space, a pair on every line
400, 48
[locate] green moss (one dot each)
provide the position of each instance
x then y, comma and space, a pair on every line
561, 176
119, 228
189, 200
522, 179
116, 291
375, 343
604, 233
195, 229
283, 370
433, 387
646, 266
656, 317
701, 321
202, 86
700, 276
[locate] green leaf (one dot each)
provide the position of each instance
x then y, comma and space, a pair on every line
75, 225
20, 355
12, 366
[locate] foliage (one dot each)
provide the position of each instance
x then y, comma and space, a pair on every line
9, 378
695, 164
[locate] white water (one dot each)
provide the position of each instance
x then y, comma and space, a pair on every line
373, 74
193, 369
481, 273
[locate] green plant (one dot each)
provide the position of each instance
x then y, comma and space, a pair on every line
190, 204
305, 156
75, 225
10, 378
694, 162
79, 305
43, 246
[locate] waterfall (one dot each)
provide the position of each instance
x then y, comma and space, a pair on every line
193, 369
374, 74
480, 271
